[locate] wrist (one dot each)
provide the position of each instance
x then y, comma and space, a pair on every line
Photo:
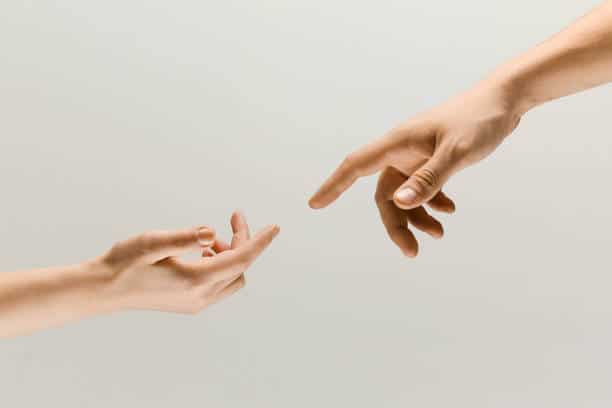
499, 102
100, 286
515, 84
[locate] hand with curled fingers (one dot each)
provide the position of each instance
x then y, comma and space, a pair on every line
147, 272
417, 158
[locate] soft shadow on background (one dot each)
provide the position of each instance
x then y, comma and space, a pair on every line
119, 117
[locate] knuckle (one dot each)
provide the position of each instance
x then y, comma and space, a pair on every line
185, 237
427, 178
461, 150
350, 160
462, 146
381, 196
148, 240
397, 132
350, 163
117, 251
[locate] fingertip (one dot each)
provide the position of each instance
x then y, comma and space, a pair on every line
238, 214
421, 220
447, 210
439, 234
409, 246
314, 204
239, 223
261, 241
403, 206
438, 230
410, 253
267, 234
274, 230
441, 202
235, 220
329, 192
448, 207
206, 236
406, 199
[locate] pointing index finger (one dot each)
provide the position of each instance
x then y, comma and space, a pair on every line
363, 162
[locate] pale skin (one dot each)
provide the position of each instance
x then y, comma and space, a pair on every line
417, 158
144, 272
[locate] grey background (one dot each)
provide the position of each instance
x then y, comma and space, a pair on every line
121, 116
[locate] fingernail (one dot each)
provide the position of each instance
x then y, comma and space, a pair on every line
206, 236
406, 196
275, 229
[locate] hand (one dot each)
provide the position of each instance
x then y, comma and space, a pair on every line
420, 156
147, 273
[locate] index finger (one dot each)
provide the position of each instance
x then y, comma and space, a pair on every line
363, 162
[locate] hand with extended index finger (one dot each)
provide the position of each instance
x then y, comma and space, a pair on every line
147, 272
420, 156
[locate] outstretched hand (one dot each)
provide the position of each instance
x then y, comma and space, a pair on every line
419, 157
147, 272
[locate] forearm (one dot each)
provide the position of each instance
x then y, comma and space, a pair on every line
33, 300
576, 59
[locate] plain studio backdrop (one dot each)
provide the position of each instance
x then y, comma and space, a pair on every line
117, 117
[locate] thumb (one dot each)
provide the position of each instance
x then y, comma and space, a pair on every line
424, 183
159, 245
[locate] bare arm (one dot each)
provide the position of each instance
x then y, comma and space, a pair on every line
419, 156
42, 298
578, 58
144, 272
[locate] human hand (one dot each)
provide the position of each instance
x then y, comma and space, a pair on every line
418, 157
146, 272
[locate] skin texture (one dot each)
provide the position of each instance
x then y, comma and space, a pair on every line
418, 157
144, 272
